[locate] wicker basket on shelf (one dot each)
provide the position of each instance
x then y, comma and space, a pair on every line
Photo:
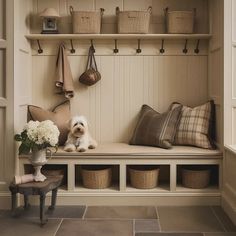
133, 22
180, 22
144, 177
86, 22
96, 177
196, 177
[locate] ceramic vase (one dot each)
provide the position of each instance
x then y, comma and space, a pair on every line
39, 158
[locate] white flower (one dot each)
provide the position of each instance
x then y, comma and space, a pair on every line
44, 132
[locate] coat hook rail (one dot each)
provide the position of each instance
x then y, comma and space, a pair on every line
92, 46
40, 50
115, 50
196, 50
185, 50
162, 50
139, 50
72, 47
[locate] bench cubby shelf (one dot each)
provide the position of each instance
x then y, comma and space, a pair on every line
125, 155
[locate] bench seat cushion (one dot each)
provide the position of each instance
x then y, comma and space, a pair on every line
123, 149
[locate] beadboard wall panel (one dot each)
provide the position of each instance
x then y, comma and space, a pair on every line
2, 143
109, 18
128, 82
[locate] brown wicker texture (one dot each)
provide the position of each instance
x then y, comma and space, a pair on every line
97, 177
180, 22
195, 178
144, 177
86, 22
133, 22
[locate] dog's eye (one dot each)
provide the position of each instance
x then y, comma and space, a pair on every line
75, 124
81, 124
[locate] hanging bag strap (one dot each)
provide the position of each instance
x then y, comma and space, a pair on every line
89, 61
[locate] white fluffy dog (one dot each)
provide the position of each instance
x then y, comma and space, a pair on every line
79, 138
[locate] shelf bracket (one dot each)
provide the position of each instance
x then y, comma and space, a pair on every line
185, 50
72, 47
40, 50
196, 50
162, 50
115, 50
139, 50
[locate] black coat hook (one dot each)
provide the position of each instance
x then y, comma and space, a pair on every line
196, 50
92, 46
185, 50
162, 50
40, 50
139, 50
115, 50
72, 47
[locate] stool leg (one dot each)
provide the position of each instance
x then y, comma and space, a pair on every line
13, 203
26, 202
54, 199
42, 205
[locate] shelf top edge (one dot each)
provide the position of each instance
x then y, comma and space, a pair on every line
116, 36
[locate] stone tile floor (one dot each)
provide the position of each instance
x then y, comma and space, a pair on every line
120, 221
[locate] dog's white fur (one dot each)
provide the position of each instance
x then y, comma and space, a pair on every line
79, 138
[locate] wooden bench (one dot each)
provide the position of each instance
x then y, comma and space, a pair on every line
121, 155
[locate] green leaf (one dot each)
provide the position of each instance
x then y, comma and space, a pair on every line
24, 149
24, 135
17, 137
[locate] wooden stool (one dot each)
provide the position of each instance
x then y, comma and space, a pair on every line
37, 188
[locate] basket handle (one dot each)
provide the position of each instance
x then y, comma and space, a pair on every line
166, 10
117, 10
71, 10
149, 9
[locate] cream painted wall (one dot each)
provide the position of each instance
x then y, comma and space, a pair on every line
128, 80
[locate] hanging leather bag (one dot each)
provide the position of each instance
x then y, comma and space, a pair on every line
91, 75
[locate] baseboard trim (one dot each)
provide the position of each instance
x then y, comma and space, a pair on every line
229, 207
5, 200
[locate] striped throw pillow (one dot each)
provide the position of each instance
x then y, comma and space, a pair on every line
155, 129
196, 125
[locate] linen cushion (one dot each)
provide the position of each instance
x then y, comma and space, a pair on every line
196, 126
60, 115
155, 129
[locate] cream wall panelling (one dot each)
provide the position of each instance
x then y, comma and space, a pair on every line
6, 95
229, 187
128, 82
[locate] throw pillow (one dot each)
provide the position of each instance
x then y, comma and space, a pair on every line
60, 115
155, 129
196, 126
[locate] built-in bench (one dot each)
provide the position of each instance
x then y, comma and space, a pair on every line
120, 156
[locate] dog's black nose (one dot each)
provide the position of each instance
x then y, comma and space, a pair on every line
78, 129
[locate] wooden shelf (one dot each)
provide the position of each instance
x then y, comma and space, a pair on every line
115, 36
209, 189
159, 189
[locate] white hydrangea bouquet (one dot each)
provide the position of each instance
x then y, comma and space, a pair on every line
37, 135
36, 138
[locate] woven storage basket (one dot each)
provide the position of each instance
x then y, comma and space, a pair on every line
133, 22
144, 177
86, 22
195, 177
180, 22
97, 177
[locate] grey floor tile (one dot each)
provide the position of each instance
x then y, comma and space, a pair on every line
74, 227
29, 226
59, 212
220, 234
121, 212
188, 219
146, 226
169, 234
224, 219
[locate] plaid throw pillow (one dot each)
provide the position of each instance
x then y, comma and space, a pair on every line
196, 126
155, 129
